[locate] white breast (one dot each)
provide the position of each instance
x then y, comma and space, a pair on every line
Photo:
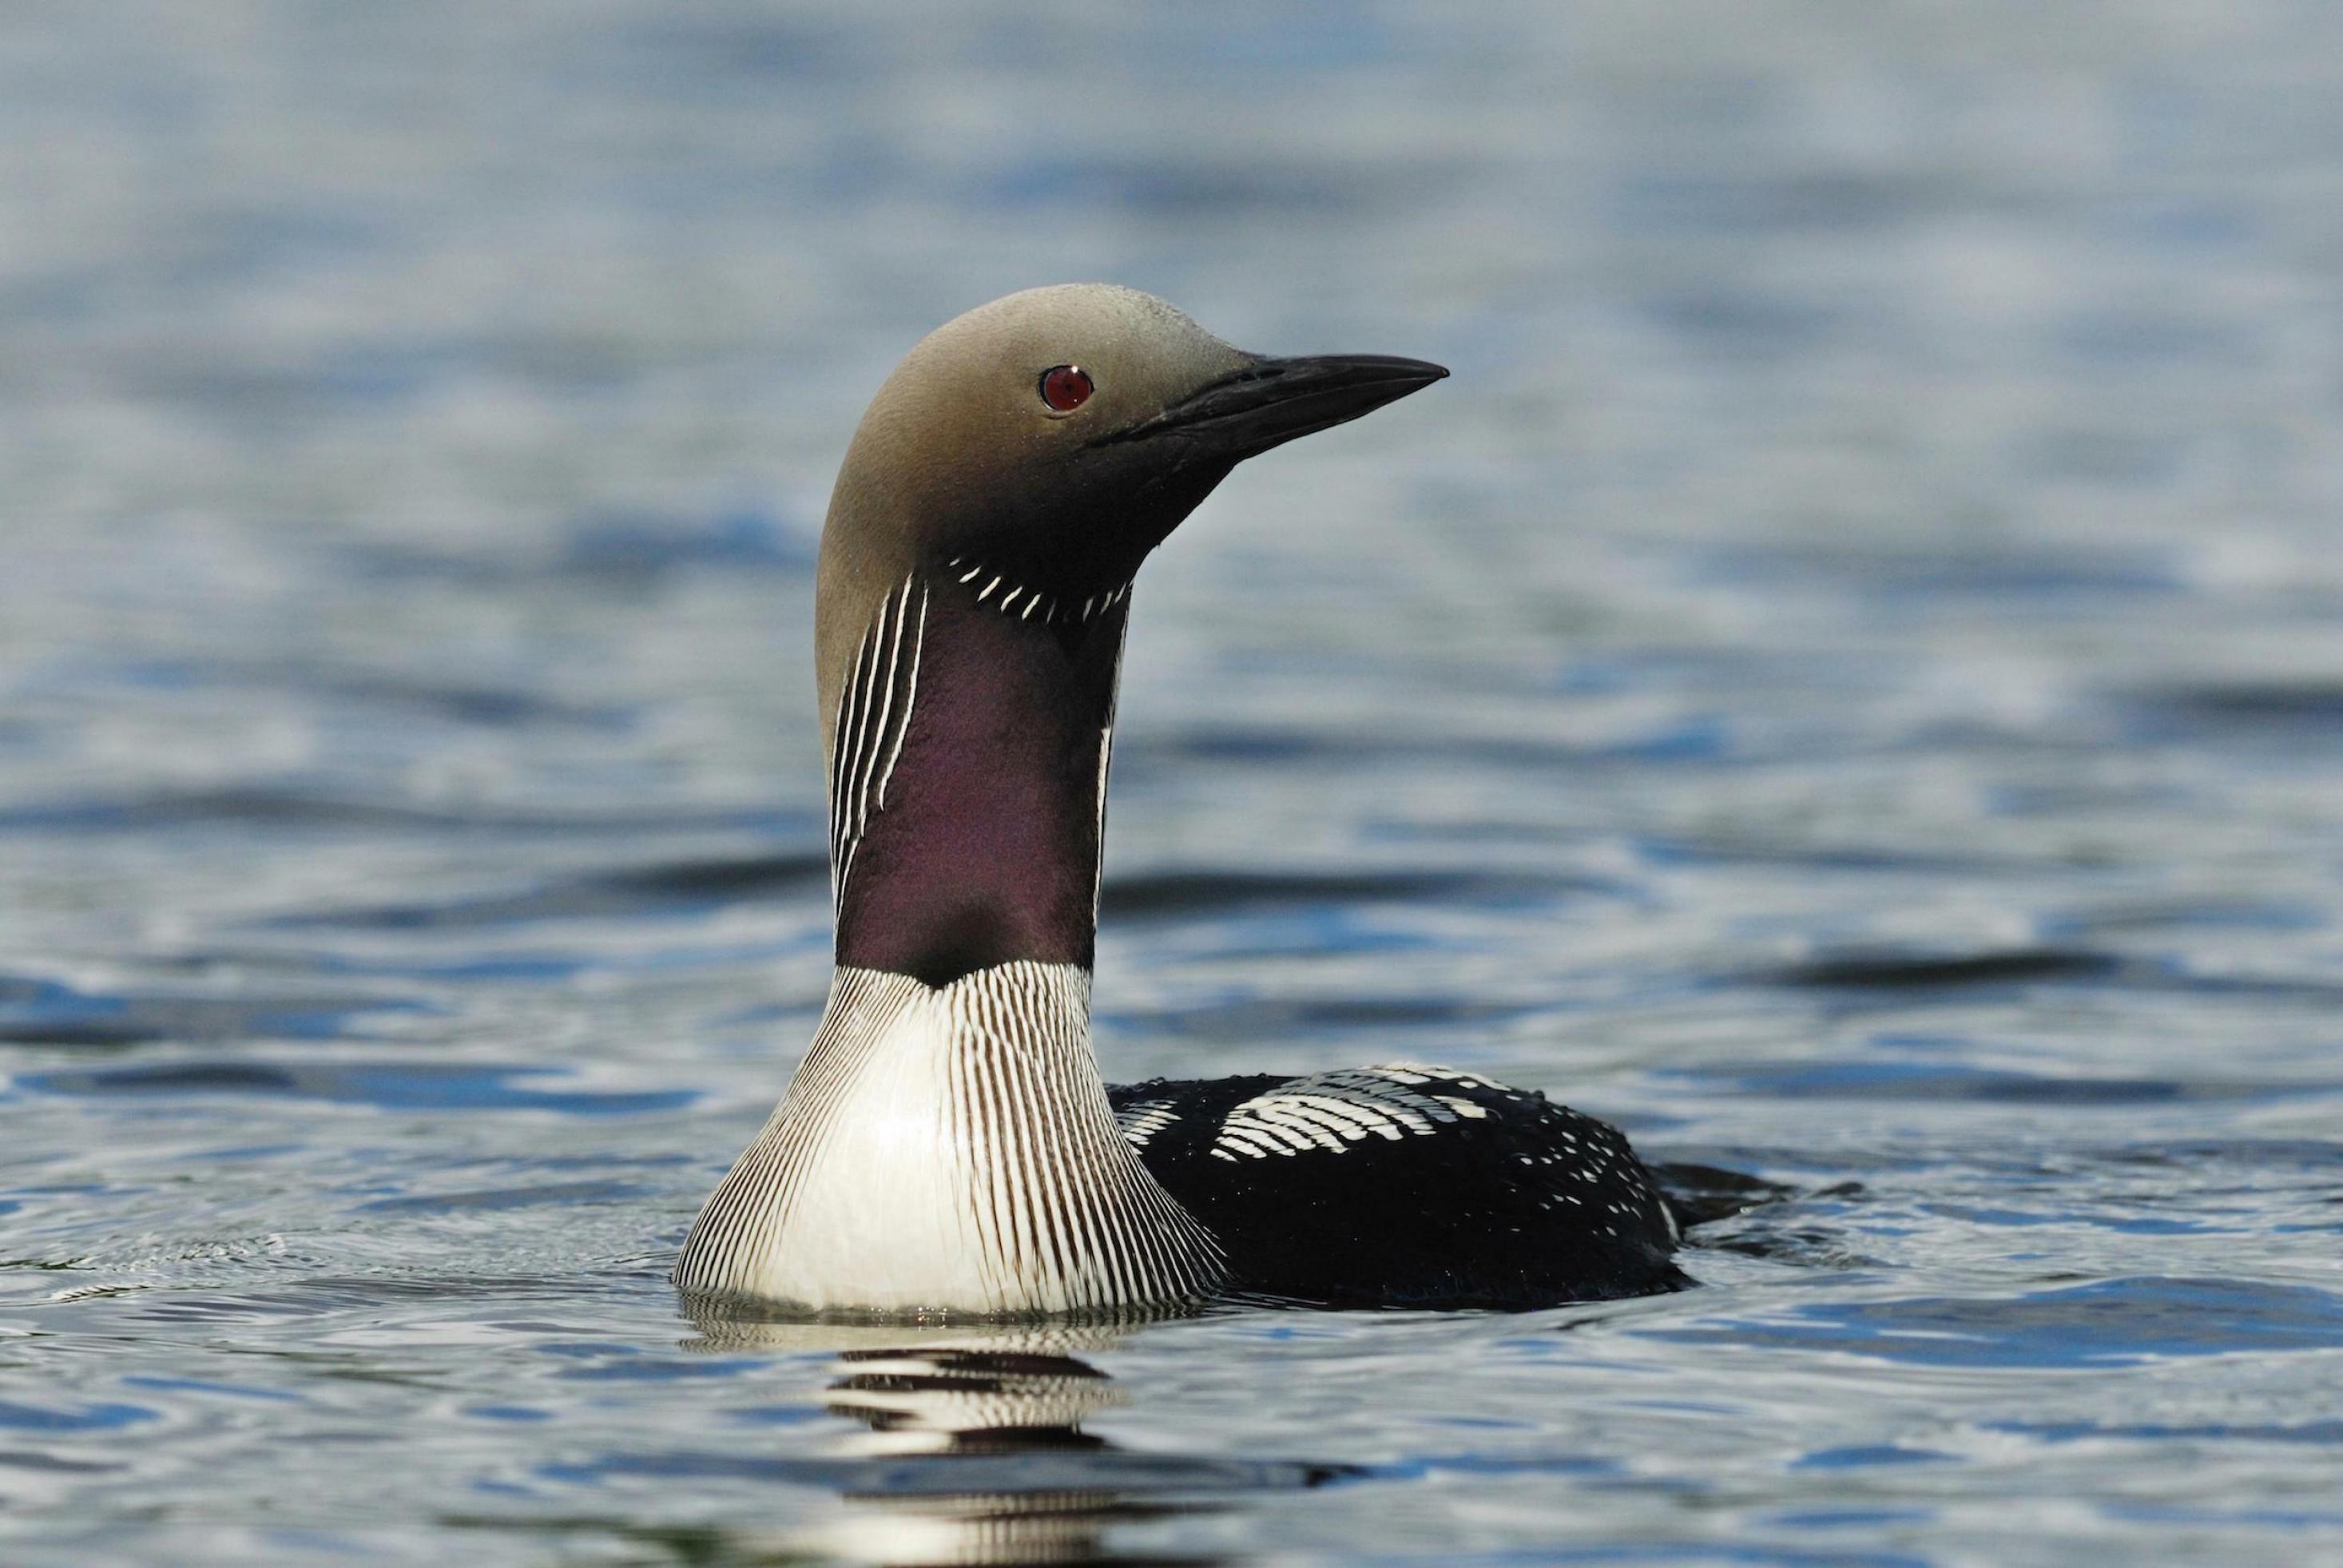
949, 1148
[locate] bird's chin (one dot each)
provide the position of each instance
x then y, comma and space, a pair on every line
1102, 523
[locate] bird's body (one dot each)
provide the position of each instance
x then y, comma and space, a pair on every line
948, 1143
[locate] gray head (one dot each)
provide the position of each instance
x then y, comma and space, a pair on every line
1002, 490
972, 450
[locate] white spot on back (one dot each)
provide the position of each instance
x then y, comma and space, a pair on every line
1332, 1110
1144, 1119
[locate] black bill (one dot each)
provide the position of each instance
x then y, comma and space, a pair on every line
1271, 401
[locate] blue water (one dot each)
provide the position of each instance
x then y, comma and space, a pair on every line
1846, 681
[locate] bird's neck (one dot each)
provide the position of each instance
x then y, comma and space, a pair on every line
969, 751
947, 1143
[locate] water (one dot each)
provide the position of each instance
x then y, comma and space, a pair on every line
1847, 680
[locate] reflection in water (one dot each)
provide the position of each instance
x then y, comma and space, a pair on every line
971, 1400
976, 1448
996, 1401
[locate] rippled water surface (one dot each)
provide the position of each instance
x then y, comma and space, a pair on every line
1847, 680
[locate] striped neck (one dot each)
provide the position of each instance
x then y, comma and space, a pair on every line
969, 754
949, 1148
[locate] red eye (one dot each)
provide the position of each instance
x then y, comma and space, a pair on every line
1065, 387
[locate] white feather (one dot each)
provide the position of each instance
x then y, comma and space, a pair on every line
949, 1150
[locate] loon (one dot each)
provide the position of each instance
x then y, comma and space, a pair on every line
948, 1145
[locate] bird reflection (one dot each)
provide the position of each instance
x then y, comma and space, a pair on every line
979, 1432
954, 1400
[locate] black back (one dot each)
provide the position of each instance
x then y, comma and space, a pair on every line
1353, 1190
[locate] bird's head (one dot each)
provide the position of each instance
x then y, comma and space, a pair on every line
1057, 436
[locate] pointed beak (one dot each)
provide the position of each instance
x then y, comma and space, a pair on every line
1269, 402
